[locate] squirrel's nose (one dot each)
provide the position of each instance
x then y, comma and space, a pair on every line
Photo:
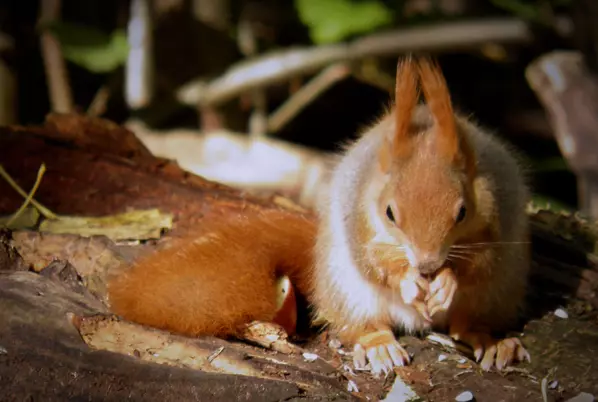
429, 264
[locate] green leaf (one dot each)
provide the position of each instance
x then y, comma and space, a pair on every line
542, 201
530, 10
334, 20
519, 8
91, 48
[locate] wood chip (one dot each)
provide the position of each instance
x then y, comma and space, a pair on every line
582, 397
464, 397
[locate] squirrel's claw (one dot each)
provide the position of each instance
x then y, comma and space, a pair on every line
381, 350
510, 350
495, 353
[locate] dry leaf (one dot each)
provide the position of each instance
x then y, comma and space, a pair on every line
138, 225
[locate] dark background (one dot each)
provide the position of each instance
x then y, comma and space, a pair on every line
493, 89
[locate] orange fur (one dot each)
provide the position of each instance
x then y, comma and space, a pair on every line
360, 278
213, 281
406, 97
438, 100
454, 203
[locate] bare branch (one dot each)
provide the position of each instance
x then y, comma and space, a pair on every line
307, 94
569, 93
97, 107
140, 66
248, 46
61, 97
279, 66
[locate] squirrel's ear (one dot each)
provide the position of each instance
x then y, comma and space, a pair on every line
439, 102
451, 145
406, 97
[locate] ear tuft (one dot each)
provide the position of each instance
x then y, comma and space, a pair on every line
406, 97
439, 102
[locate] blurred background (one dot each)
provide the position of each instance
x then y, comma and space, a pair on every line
305, 74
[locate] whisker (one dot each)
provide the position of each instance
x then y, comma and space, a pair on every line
501, 243
460, 257
384, 244
462, 251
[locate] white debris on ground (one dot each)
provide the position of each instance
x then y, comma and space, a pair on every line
310, 357
400, 392
352, 387
582, 397
561, 313
466, 396
348, 369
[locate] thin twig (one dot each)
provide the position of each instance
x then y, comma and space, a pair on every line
278, 66
61, 98
43, 210
29, 198
307, 94
248, 46
139, 68
215, 354
370, 73
97, 107
544, 389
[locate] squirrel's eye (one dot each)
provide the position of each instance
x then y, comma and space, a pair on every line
389, 214
461, 214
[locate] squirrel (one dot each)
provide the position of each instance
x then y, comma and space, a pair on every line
422, 225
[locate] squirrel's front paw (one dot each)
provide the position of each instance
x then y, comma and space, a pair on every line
414, 289
442, 291
382, 350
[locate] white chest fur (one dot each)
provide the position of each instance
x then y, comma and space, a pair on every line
363, 300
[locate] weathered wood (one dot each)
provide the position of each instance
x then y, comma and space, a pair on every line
95, 168
42, 355
569, 93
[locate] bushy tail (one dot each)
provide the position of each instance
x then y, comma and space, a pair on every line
223, 276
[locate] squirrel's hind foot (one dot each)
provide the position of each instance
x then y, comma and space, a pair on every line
382, 350
491, 352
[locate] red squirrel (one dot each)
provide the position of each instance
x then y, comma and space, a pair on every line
422, 225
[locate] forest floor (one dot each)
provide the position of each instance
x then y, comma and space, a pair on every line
59, 342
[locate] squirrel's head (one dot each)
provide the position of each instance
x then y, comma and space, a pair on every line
427, 200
